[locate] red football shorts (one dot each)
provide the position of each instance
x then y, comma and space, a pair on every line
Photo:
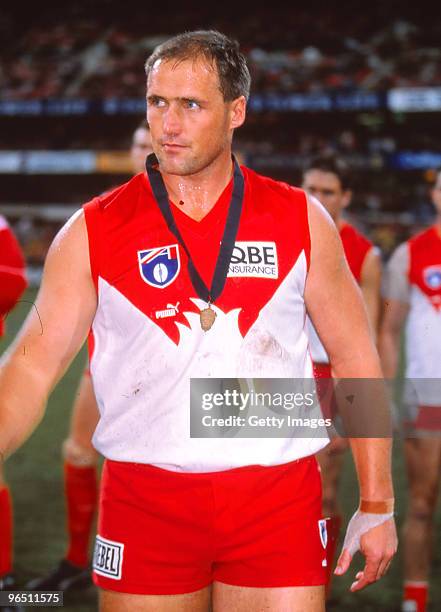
164, 532
428, 419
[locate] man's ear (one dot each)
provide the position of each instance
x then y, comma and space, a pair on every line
347, 197
238, 111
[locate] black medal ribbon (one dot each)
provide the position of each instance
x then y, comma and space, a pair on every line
228, 238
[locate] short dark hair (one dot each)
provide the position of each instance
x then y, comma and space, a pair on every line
333, 164
224, 52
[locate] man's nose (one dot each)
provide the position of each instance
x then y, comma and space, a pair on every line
172, 120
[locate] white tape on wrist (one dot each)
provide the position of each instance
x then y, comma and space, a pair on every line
359, 524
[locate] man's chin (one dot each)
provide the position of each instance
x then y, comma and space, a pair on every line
169, 165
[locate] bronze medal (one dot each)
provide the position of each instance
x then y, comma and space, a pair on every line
207, 317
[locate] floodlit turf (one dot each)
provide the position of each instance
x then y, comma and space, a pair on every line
35, 476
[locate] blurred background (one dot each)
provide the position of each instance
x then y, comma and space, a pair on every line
363, 80
359, 79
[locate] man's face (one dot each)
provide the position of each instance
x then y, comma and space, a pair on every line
326, 187
190, 122
436, 194
141, 147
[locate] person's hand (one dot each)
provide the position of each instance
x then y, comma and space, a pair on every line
376, 537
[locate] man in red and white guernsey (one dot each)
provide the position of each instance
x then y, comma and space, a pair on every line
328, 178
12, 284
73, 572
193, 524
412, 294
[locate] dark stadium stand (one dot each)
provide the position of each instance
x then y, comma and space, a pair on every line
364, 83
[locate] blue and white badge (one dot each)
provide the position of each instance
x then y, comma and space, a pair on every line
159, 266
432, 277
323, 532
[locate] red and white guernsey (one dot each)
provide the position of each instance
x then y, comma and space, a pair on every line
147, 337
356, 248
12, 271
423, 325
413, 276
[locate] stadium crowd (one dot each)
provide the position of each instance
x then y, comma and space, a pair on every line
293, 51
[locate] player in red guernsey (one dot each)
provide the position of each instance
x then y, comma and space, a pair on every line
80, 457
328, 179
12, 284
190, 523
412, 299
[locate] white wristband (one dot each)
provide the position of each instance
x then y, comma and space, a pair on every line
360, 523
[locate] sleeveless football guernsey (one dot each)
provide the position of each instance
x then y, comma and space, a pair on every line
147, 338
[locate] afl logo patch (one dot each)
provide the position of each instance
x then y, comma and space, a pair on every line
323, 532
159, 266
432, 277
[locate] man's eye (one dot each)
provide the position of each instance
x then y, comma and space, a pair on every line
159, 102
192, 104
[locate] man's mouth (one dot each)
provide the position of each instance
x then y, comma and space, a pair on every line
173, 146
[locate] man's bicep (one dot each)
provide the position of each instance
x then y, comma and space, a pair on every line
333, 299
396, 284
396, 290
59, 321
370, 284
394, 316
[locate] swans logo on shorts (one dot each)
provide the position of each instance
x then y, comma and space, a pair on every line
159, 266
107, 558
323, 532
432, 277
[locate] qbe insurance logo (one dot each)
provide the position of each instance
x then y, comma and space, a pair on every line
254, 259
107, 558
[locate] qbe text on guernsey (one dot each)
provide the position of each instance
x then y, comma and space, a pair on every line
53, 599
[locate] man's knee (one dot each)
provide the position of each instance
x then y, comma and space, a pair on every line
79, 455
422, 508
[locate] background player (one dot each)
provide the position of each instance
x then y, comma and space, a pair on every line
12, 284
80, 457
193, 110
328, 179
412, 292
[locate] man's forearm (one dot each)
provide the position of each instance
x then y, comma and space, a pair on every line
372, 458
23, 399
389, 346
364, 406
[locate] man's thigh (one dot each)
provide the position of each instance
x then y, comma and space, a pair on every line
199, 601
331, 459
228, 598
423, 464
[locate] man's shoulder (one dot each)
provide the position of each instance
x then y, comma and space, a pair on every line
351, 230
270, 186
119, 195
420, 239
3, 223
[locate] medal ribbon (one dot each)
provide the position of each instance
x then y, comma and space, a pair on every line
228, 238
